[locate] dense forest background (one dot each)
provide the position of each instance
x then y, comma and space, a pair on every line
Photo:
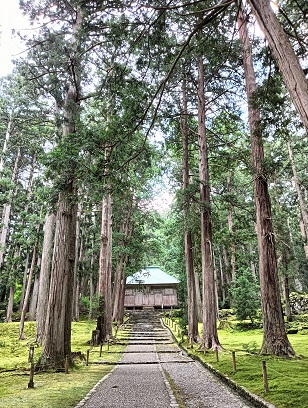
116, 105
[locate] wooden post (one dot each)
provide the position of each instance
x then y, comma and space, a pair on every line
264, 372
216, 352
66, 365
234, 361
31, 382
100, 349
108, 345
87, 358
31, 354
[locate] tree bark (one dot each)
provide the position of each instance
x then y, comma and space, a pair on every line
286, 295
122, 296
78, 258
10, 305
284, 55
301, 200
193, 335
104, 320
222, 281
275, 340
92, 289
29, 190
126, 231
230, 226
34, 297
57, 332
24, 281
210, 335
252, 265
228, 274
118, 283
199, 310
6, 213
28, 289
43, 294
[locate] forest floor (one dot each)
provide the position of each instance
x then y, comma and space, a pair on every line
154, 372
51, 389
287, 378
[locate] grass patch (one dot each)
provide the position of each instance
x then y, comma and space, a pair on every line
51, 389
287, 378
174, 388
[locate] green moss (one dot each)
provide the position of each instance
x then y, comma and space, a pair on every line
51, 389
287, 378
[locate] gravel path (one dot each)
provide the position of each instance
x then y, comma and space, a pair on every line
155, 373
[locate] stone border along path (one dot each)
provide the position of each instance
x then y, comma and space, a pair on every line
154, 372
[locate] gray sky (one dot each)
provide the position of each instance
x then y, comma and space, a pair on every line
10, 18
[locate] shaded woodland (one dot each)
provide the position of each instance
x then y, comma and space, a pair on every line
116, 105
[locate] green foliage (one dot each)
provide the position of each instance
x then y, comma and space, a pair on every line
250, 348
246, 298
87, 307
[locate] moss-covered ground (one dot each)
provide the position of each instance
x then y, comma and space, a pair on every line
287, 378
51, 389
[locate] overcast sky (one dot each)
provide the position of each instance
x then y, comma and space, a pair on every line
10, 18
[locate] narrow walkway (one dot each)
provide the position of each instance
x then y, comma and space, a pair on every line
155, 373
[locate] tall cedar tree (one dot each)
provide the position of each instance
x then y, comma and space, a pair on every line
284, 55
188, 240
275, 340
210, 335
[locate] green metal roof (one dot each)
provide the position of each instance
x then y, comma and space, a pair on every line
151, 275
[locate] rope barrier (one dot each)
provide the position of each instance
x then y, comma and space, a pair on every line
243, 355
287, 376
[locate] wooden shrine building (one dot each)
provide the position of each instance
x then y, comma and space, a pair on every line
151, 288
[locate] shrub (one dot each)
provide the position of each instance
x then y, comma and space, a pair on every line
246, 296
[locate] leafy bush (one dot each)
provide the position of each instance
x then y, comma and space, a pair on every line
85, 306
246, 296
177, 313
250, 348
224, 313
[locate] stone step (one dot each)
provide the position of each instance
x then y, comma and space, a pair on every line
138, 363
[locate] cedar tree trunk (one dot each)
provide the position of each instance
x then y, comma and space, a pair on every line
57, 333
104, 319
210, 335
43, 294
275, 340
301, 200
284, 55
193, 335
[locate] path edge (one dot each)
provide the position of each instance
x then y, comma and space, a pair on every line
253, 398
